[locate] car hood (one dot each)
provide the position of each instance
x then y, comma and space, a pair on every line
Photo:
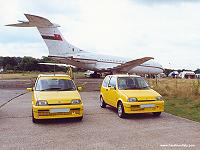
57, 97
141, 94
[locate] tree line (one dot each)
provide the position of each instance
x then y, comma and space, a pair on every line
32, 64
27, 64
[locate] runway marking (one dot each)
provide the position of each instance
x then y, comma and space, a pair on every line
12, 99
15, 117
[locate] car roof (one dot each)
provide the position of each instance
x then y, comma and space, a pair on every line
123, 75
54, 75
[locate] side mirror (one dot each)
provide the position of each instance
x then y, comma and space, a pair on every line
79, 88
29, 89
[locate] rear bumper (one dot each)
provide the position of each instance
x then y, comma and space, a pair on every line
135, 107
43, 112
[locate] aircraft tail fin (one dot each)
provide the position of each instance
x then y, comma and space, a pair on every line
54, 40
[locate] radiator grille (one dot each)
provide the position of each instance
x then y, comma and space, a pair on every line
60, 104
47, 113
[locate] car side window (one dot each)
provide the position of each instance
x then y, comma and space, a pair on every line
37, 85
105, 81
112, 82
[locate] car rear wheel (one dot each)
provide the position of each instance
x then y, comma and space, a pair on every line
102, 103
120, 110
156, 114
33, 119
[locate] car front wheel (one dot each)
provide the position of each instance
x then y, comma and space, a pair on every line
33, 119
102, 103
120, 110
156, 114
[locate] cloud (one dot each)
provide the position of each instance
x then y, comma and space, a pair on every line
166, 30
164, 2
23, 49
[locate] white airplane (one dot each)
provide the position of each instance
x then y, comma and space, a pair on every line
64, 52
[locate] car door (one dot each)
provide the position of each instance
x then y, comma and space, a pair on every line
104, 89
112, 92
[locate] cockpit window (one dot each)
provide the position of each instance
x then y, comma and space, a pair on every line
55, 85
127, 83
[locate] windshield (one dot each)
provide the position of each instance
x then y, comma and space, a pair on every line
55, 85
127, 83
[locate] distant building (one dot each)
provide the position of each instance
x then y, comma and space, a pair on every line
173, 74
187, 75
1, 68
197, 76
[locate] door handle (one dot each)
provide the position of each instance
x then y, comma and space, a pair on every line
106, 89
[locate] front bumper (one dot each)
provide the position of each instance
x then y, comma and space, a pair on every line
43, 112
135, 107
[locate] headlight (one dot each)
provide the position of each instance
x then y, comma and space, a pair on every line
76, 101
133, 99
41, 103
159, 98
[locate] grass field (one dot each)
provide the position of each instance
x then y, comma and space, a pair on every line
29, 75
26, 75
182, 96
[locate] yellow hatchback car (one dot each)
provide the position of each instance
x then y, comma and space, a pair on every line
130, 94
55, 96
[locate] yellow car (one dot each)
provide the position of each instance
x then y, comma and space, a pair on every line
55, 96
130, 94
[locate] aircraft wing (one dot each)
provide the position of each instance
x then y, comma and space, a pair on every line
55, 64
131, 64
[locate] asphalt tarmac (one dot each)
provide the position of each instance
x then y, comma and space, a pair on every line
100, 129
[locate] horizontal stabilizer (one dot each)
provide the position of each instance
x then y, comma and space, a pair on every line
23, 24
34, 21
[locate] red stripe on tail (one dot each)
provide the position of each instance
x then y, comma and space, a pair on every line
55, 37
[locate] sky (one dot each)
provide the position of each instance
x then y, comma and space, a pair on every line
168, 30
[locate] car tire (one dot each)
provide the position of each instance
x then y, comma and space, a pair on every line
120, 110
156, 114
102, 103
80, 118
33, 119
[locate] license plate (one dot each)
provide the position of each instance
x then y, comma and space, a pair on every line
147, 106
59, 110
